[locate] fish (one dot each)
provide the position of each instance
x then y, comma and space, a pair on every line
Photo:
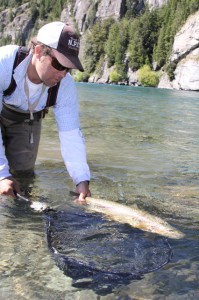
133, 216
121, 213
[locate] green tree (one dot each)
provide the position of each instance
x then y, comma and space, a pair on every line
80, 76
147, 77
114, 77
95, 43
116, 46
111, 44
143, 33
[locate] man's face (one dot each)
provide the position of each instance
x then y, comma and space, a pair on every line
44, 66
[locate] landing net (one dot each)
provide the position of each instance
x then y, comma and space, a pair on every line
96, 252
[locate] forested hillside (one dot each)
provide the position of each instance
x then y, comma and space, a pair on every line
140, 40
137, 41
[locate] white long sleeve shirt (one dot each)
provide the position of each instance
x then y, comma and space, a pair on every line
65, 111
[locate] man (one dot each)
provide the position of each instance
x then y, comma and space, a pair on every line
53, 53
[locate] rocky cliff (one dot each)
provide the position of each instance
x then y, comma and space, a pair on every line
88, 11
185, 54
16, 23
20, 21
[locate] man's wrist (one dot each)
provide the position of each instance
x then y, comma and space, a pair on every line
87, 181
5, 176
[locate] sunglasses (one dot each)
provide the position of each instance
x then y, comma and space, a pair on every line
55, 64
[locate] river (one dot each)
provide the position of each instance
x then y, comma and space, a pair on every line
142, 146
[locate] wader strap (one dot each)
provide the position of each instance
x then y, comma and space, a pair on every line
52, 95
20, 56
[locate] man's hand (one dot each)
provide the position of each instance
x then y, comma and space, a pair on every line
8, 186
83, 189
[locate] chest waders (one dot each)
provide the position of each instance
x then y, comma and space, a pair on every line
18, 128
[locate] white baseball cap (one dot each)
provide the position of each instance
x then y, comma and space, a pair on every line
64, 39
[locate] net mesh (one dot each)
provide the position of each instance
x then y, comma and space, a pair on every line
100, 254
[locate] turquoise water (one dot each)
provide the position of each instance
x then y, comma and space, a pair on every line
142, 146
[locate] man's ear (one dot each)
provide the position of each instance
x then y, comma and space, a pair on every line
38, 51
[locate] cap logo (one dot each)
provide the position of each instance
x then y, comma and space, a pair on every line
73, 43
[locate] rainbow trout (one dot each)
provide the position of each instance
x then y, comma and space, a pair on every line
121, 213
133, 216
